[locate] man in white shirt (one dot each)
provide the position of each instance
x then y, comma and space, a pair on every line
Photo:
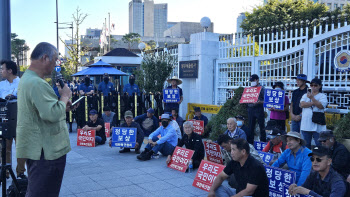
8, 90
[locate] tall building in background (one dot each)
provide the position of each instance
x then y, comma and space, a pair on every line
334, 4
136, 17
147, 18
160, 19
240, 19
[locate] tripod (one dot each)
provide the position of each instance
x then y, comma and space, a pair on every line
4, 133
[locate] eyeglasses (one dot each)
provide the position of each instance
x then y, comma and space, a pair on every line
318, 160
315, 85
324, 141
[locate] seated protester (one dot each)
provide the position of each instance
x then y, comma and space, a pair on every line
323, 181
166, 144
139, 133
174, 124
240, 123
148, 122
276, 145
296, 157
340, 154
199, 116
177, 118
224, 142
253, 179
107, 115
233, 131
96, 124
192, 141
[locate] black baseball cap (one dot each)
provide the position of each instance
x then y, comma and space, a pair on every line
279, 84
240, 117
316, 81
253, 77
271, 124
320, 151
275, 132
325, 135
197, 109
92, 112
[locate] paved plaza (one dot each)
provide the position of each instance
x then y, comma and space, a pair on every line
103, 171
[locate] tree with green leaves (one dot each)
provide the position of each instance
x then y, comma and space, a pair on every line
73, 60
277, 12
18, 47
154, 71
131, 39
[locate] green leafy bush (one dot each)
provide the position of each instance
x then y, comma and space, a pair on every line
342, 128
232, 108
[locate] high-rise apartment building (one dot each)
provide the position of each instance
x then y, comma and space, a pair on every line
240, 19
147, 18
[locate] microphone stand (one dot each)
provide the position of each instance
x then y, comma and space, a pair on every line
6, 166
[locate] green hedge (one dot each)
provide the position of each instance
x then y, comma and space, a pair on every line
342, 128
232, 108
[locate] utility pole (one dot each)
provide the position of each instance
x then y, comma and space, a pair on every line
57, 26
5, 30
109, 31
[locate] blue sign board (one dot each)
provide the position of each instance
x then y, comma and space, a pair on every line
259, 146
278, 178
286, 194
266, 157
58, 68
274, 98
171, 95
124, 137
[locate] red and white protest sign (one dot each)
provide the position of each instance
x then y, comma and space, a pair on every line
108, 129
86, 138
206, 174
180, 159
250, 95
198, 126
213, 152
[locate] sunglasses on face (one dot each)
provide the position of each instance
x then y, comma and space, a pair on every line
313, 85
318, 160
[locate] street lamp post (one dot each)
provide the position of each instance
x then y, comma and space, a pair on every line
5, 30
57, 26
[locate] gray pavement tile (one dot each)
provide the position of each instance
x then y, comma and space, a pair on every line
129, 172
154, 169
71, 195
174, 192
65, 191
143, 178
168, 174
179, 182
102, 193
194, 190
117, 182
128, 190
84, 187
103, 176
72, 180
156, 186
91, 170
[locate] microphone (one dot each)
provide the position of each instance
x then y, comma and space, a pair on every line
59, 78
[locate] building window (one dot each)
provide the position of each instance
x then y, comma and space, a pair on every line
335, 6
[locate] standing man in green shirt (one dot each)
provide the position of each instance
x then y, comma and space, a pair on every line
42, 134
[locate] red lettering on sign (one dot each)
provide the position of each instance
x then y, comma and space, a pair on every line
206, 174
213, 152
108, 129
250, 95
198, 126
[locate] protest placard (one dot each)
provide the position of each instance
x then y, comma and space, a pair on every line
266, 157
274, 98
277, 179
86, 138
107, 129
206, 174
286, 194
213, 152
171, 95
198, 126
250, 95
259, 146
180, 159
124, 137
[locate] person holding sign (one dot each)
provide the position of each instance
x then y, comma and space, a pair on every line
280, 115
296, 157
253, 180
192, 141
140, 135
175, 82
199, 116
323, 181
256, 112
166, 144
97, 124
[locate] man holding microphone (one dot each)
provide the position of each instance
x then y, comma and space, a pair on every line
42, 134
